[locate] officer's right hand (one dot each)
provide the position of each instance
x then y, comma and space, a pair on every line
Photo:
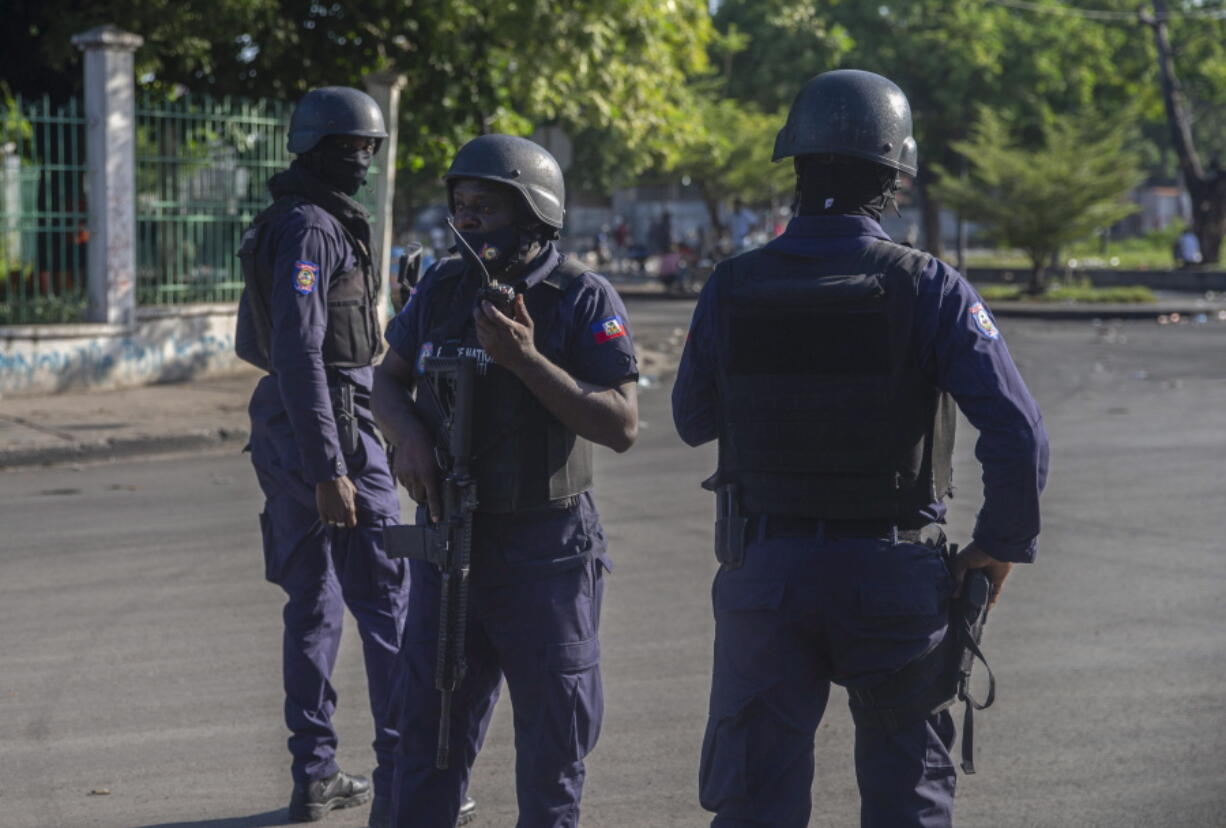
336, 501
972, 557
415, 468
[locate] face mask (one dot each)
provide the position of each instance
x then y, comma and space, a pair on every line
343, 168
494, 248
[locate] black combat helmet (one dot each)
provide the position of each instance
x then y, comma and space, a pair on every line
850, 112
519, 163
333, 110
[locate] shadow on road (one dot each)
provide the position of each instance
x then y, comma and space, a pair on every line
264, 820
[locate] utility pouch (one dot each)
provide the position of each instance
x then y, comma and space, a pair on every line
422, 543
346, 417
730, 526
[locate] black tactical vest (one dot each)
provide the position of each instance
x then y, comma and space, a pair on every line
352, 339
523, 456
824, 411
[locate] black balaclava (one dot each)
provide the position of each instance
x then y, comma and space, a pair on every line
841, 185
502, 251
340, 167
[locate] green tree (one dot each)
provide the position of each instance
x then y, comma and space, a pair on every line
949, 56
731, 156
1041, 199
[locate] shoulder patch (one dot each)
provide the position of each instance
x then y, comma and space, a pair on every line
609, 328
983, 321
306, 276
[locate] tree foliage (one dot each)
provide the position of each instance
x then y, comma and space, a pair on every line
656, 84
1044, 198
953, 56
472, 66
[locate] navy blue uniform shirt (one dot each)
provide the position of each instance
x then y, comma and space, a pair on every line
292, 407
544, 541
957, 345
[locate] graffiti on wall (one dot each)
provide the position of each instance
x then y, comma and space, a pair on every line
159, 351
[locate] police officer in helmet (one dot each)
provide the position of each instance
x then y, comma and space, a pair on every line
308, 317
556, 373
827, 365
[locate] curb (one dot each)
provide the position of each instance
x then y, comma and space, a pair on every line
1152, 311
1014, 310
122, 447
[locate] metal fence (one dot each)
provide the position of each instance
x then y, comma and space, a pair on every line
202, 166
44, 231
201, 169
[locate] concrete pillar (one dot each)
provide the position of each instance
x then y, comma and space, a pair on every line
385, 88
110, 113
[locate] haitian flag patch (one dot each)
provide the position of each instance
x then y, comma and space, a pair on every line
306, 276
607, 329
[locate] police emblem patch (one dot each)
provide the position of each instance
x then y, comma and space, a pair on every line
607, 329
983, 321
427, 350
489, 252
306, 276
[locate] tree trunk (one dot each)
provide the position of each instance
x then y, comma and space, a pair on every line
1038, 277
930, 210
1207, 190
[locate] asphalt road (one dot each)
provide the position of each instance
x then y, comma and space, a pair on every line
139, 645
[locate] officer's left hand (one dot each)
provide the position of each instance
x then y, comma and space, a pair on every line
507, 339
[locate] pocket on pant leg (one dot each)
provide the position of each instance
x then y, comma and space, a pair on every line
367, 574
274, 562
573, 705
723, 767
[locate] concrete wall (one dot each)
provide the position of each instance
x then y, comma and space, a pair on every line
164, 345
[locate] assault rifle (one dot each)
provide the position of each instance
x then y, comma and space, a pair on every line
448, 543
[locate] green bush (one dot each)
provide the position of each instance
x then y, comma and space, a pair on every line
1083, 293
43, 310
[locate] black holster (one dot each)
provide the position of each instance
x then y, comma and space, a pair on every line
346, 417
940, 677
730, 526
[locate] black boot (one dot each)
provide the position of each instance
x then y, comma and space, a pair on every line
468, 811
311, 802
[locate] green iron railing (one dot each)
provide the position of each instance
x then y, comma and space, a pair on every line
201, 171
202, 167
44, 231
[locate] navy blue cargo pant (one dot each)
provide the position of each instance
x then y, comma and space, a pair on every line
800, 613
542, 636
322, 570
